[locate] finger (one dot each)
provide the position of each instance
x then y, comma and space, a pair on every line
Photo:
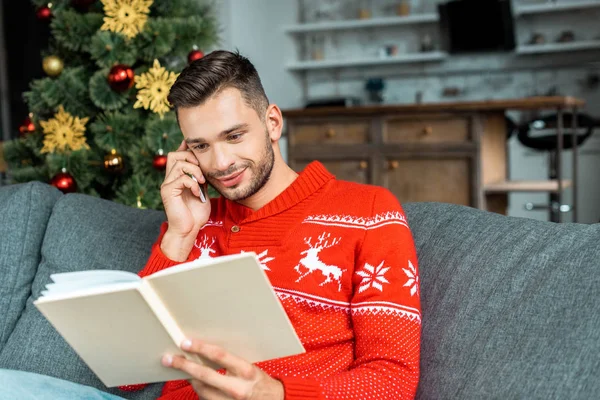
182, 146
200, 187
232, 386
174, 156
235, 365
182, 167
206, 392
176, 186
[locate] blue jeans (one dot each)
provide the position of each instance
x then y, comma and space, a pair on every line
19, 385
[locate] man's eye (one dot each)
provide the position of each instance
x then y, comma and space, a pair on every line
201, 146
234, 136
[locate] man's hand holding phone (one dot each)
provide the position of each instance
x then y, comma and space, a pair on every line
186, 203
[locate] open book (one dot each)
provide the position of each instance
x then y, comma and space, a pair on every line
121, 325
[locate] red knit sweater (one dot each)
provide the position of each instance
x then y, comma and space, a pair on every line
341, 258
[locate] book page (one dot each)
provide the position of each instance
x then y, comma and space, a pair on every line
229, 302
76, 282
116, 334
98, 275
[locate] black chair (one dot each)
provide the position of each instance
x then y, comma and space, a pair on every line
549, 143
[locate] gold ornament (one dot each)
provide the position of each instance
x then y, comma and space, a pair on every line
155, 85
125, 16
64, 132
113, 161
138, 202
52, 65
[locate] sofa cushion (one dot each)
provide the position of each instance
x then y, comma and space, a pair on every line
511, 306
24, 213
83, 233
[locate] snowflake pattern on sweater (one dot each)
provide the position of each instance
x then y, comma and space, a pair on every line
341, 259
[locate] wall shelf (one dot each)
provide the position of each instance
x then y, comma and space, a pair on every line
361, 23
555, 7
431, 56
558, 47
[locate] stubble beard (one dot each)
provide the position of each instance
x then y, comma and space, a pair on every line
261, 173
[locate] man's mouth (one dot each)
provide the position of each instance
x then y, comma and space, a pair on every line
233, 179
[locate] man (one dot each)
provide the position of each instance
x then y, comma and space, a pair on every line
340, 255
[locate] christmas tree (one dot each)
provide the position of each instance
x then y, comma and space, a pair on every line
100, 122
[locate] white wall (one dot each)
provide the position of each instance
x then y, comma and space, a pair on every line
255, 27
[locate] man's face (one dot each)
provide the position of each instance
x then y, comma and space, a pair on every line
231, 143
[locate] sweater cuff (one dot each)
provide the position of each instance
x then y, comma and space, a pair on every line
301, 388
157, 262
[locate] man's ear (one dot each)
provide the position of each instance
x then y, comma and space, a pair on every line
274, 122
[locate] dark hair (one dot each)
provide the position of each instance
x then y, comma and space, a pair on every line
215, 72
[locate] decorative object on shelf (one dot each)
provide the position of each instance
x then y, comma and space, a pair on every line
113, 161
64, 182
426, 43
194, 55
403, 8
364, 9
317, 44
374, 88
27, 126
536, 38
44, 13
451, 91
388, 50
566, 37
419, 97
53, 65
120, 78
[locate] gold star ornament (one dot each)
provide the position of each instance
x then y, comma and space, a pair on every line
154, 88
64, 132
125, 16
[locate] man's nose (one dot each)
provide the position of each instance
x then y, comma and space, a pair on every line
222, 159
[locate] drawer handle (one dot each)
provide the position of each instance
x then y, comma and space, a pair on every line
393, 164
363, 165
427, 131
330, 132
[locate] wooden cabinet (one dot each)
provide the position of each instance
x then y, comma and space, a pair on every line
451, 153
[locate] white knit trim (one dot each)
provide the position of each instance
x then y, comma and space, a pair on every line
368, 307
312, 300
349, 221
387, 308
210, 222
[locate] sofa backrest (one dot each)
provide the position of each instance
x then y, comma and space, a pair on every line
511, 306
83, 232
24, 213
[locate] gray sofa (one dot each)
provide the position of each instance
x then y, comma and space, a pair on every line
511, 307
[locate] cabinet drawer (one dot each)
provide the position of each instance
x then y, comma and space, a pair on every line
324, 133
427, 130
446, 180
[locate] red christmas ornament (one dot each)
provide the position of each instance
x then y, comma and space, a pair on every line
120, 78
194, 55
64, 182
26, 127
44, 13
160, 161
